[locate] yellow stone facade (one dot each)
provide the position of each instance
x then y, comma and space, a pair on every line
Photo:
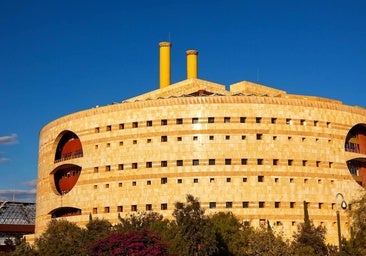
253, 150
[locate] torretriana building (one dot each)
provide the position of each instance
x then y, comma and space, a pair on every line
256, 151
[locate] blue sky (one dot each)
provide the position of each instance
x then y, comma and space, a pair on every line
59, 57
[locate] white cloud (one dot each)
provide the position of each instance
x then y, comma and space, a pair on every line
31, 183
9, 139
18, 195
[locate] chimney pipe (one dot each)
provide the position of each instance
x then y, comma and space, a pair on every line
191, 63
164, 64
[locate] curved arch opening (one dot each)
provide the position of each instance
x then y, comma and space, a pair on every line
65, 212
68, 147
356, 139
65, 177
357, 168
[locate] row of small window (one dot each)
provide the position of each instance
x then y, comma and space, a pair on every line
260, 178
196, 120
164, 138
226, 161
228, 205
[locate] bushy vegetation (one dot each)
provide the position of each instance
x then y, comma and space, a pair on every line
191, 232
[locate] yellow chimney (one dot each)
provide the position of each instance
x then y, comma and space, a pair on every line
164, 64
191, 63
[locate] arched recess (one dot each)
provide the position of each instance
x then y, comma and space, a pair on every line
65, 177
65, 212
68, 147
356, 139
356, 143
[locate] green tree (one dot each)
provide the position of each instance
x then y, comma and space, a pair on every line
61, 238
227, 229
195, 235
357, 243
96, 229
24, 249
309, 240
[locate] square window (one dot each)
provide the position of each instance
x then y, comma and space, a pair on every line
95, 210
107, 185
134, 208
261, 204
121, 126
211, 137
148, 207
275, 161
148, 140
179, 162
96, 146
134, 183
245, 204
120, 184
258, 120
135, 124
106, 209
107, 168
179, 121
259, 136
212, 205
164, 206
226, 119
96, 169
195, 180
227, 137
164, 138
289, 162
320, 205
149, 123
108, 145
260, 178
243, 137
274, 138
119, 208
259, 161
304, 162
305, 181
164, 180
228, 179
291, 180
195, 137
134, 165
164, 122
164, 163
245, 179
148, 182
289, 138
109, 127
277, 204
212, 180
292, 204
273, 120
195, 162
228, 161
244, 161
134, 142
96, 129
148, 164
317, 163
289, 121
121, 143
179, 181
211, 161
302, 122
328, 124
316, 123
242, 120
211, 120
276, 180
95, 186
179, 138
195, 120
229, 204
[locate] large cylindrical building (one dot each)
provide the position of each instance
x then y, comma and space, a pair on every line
253, 150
